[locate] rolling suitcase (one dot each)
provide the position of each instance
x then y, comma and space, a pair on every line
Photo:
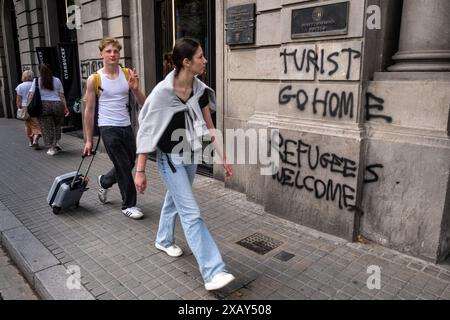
68, 188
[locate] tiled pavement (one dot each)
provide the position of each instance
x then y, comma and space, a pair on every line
118, 260
13, 285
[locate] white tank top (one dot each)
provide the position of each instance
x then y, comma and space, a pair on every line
113, 101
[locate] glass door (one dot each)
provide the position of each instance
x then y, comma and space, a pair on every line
175, 19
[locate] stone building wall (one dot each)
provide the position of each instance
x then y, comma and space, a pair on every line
30, 25
100, 19
358, 156
275, 83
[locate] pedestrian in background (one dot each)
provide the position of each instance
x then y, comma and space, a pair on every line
181, 103
54, 108
32, 128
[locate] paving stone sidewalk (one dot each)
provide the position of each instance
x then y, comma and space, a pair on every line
13, 285
117, 258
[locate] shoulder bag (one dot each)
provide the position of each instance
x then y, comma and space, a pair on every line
35, 107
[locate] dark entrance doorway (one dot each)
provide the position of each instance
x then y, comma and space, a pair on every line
69, 68
15, 37
175, 19
11, 60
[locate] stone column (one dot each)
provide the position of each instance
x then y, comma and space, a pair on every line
424, 37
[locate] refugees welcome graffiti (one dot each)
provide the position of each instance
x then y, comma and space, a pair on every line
300, 159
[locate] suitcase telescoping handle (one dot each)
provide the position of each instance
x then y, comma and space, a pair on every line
90, 164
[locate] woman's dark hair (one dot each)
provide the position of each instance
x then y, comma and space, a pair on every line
46, 77
184, 48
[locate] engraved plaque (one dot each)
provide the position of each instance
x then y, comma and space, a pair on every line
320, 21
241, 25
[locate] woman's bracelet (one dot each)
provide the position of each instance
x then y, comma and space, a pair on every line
140, 171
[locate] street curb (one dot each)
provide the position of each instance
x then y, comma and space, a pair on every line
43, 271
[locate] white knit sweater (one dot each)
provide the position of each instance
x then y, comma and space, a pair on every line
162, 104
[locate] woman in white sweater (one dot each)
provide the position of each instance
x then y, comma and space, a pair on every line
180, 106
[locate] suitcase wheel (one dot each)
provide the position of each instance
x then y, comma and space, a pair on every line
56, 210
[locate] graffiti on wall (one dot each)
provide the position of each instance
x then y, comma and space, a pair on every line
299, 157
372, 175
339, 104
319, 61
373, 104
303, 166
308, 167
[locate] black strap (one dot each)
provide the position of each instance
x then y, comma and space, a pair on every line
172, 167
90, 164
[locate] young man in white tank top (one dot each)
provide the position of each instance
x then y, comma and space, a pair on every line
115, 125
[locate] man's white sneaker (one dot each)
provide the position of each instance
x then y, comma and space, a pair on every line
102, 193
133, 213
52, 152
173, 251
219, 281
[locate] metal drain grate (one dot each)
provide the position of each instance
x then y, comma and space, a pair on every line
284, 256
259, 243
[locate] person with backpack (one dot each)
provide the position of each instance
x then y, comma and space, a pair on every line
110, 88
54, 107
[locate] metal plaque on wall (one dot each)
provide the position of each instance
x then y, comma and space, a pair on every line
240, 25
320, 21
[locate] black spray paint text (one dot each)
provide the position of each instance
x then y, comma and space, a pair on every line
312, 60
300, 154
304, 157
331, 104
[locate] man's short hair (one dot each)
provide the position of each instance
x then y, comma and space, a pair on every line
109, 41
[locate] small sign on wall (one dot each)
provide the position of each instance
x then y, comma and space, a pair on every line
241, 25
319, 21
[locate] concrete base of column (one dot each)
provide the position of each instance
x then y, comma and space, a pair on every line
418, 67
431, 61
411, 76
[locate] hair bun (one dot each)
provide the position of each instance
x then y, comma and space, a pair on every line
168, 58
169, 64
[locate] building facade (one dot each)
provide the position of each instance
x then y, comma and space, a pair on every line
358, 89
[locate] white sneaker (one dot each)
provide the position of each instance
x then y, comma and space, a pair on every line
52, 152
219, 281
133, 213
173, 251
102, 192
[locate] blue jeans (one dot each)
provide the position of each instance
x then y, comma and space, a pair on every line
178, 178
